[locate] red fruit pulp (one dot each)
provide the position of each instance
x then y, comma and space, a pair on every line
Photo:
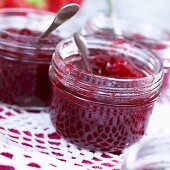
24, 77
95, 124
112, 66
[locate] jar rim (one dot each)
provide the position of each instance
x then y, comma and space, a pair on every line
25, 12
102, 88
62, 43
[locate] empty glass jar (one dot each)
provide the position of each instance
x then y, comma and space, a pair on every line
152, 153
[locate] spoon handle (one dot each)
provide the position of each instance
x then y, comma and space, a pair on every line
82, 46
65, 13
49, 30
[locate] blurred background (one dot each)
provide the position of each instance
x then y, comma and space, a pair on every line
156, 11
50, 5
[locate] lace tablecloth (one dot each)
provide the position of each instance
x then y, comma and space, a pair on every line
28, 142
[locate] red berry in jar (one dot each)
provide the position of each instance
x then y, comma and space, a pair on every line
109, 108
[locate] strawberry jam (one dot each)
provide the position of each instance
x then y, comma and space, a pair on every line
24, 62
109, 108
112, 66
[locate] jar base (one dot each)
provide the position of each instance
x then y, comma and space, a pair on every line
92, 148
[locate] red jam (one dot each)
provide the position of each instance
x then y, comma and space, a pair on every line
112, 66
24, 67
91, 110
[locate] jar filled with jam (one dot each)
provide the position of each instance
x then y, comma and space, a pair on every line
109, 108
24, 59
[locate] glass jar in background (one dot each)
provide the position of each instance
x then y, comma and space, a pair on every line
150, 153
109, 109
154, 37
24, 62
98, 24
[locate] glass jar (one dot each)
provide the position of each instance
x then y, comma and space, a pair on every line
24, 62
151, 153
99, 24
101, 112
153, 36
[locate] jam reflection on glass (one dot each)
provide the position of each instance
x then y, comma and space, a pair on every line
24, 67
93, 115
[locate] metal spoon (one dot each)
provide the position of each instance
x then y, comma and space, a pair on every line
82, 46
62, 16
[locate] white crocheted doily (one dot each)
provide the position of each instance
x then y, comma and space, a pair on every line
28, 142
